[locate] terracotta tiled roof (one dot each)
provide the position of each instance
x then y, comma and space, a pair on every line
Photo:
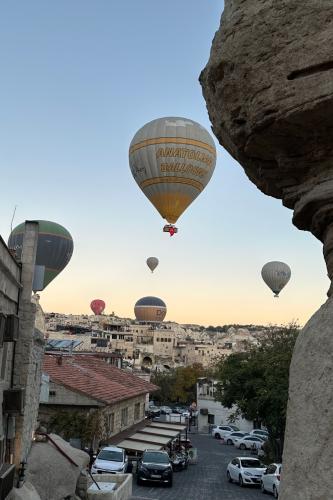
95, 378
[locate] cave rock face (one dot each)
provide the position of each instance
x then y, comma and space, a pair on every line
268, 86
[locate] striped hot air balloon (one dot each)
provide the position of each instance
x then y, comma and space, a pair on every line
172, 159
276, 275
54, 251
150, 309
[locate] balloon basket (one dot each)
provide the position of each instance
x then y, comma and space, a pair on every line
169, 228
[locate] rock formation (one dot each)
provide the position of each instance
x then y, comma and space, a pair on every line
269, 91
52, 475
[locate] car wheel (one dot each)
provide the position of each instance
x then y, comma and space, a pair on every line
229, 477
138, 481
242, 446
240, 480
229, 441
262, 487
170, 483
275, 492
217, 436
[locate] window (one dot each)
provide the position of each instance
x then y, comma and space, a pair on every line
211, 418
110, 423
136, 411
271, 469
4, 360
124, 417
143, 410
52, 393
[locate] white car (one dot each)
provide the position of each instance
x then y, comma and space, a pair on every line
219, 431
110, 460
270, 481
165, 410
231, 436
260, 433
247, 442
245, 471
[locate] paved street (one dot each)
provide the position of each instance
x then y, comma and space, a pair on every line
206, 479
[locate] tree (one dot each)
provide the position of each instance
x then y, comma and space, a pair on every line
257, 381
178, 385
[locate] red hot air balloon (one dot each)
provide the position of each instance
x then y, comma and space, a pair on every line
97, 306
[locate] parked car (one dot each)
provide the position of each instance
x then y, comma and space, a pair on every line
165, 410
110, 460
231, 436
260, 433
154, 411
245, 471
179, 409
219, 431
270, 481
246, 442
154, 466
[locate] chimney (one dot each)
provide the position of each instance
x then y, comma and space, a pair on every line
59, 360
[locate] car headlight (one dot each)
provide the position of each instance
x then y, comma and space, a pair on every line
142, 468
247, 474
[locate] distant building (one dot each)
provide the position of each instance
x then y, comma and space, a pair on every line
212, 412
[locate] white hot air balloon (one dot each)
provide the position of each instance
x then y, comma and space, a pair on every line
276, 275
172, 160
152, 263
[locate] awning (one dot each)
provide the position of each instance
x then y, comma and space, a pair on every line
150, 438
160, 432
162, 425
138, 445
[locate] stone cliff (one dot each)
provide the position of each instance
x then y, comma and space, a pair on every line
268, 86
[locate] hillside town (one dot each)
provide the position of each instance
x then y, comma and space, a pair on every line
156, 347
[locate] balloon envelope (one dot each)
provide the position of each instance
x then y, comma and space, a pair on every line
172, 159
54, 250
152, 263
150, 309
97, 306
276, 275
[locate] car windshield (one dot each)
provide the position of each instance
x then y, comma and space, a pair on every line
157, 458
249, 463
234, 427
111, 455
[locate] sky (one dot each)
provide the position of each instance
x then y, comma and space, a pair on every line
78, 80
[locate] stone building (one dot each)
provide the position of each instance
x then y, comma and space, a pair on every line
212, 412
21, 351
83, 383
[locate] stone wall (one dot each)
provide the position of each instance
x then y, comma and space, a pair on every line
110, 425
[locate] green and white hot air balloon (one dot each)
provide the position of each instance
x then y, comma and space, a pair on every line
276, 275
54, 251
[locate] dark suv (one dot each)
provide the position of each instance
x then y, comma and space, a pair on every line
154, 466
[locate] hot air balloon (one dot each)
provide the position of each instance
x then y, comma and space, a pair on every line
150, 309
54, 251
276, 275
97, 306
152, 263
172, 159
